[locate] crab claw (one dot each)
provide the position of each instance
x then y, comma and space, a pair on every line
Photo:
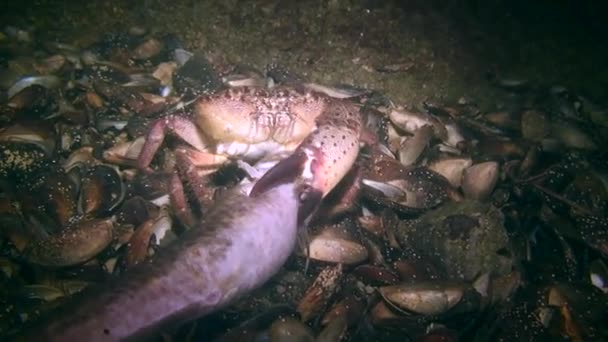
321, 160
286, 171
290, 170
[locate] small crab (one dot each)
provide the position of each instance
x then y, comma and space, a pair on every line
320, 135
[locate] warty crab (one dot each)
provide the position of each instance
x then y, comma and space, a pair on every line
322, 133
211, 267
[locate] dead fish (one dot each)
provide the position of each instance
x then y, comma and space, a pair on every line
203, 271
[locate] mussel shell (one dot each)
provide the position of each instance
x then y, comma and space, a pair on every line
135, 211
334, 331
61, 201
102, 190
425, 298
147, 49
290, 329
31, 132
336, 244
74, 245
21, 162
350, 307
49, 82
375, 275
319, 293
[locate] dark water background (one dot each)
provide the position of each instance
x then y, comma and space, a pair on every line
454, 45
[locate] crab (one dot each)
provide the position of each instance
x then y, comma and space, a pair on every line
315, 138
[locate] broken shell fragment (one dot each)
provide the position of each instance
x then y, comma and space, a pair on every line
411, 149
534, 125
125, 153
410, 122
148, 49
571, 135
142, 238
479, 180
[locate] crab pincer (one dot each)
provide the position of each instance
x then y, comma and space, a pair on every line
321, 161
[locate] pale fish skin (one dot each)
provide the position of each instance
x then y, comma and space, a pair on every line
241, 244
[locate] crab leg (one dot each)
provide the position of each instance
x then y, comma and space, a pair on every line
183, 127
323, 158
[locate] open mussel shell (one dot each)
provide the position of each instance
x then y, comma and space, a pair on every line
101, 191
79, 161
76, 244
416, 190
125, 153
34, 102
32, 132
48, 81
411, 121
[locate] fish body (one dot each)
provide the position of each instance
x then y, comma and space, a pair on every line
242, 242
